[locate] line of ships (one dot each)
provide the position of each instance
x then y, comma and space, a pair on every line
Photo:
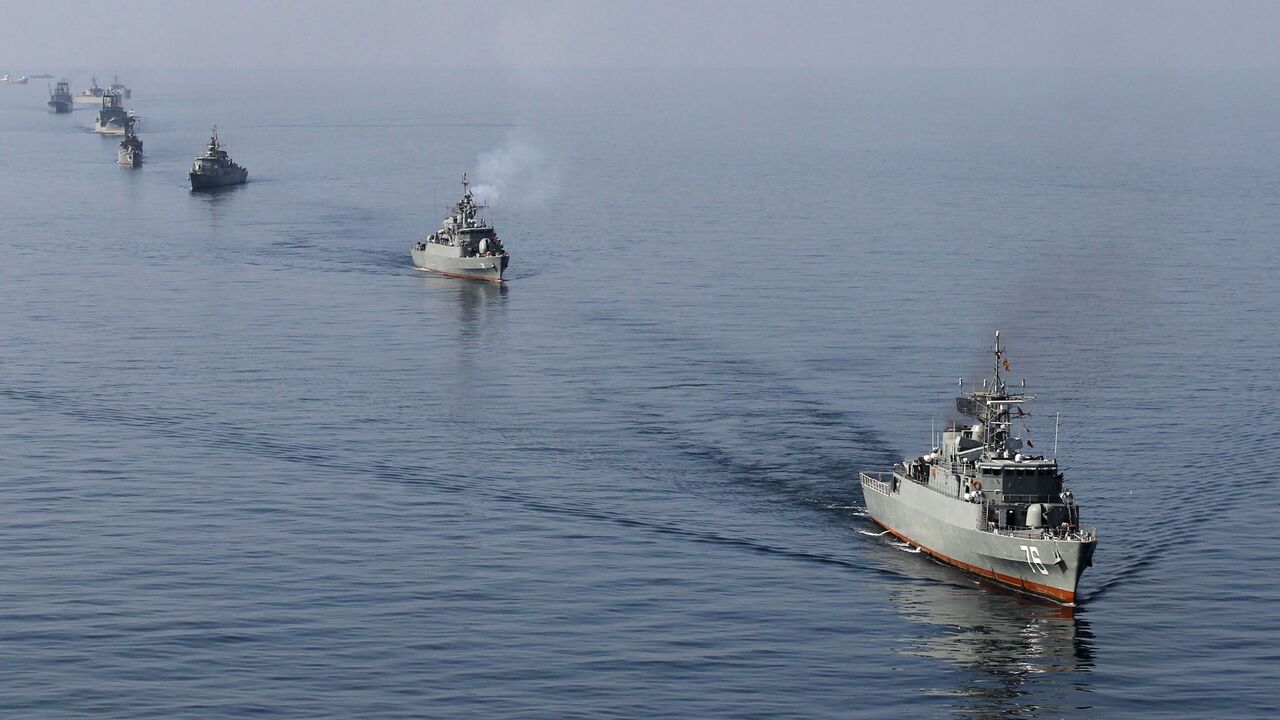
214, 168
112, 118
465, 246
979, 500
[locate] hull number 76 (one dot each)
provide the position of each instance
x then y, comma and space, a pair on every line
1033, 559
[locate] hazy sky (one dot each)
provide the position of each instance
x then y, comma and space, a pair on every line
56, 34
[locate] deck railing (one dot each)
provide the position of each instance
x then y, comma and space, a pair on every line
881, 482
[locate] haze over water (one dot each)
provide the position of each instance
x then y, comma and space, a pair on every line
256, 464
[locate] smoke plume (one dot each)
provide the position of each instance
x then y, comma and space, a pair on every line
516, 173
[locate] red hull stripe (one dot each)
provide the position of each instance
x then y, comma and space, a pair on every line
1067, 596
464, 277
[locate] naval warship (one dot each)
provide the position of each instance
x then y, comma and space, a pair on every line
465, 246
60, 99
119, 87
112, 118
983, 503
92, 95
130, 152
215, 168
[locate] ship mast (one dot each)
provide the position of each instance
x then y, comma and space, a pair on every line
997, 432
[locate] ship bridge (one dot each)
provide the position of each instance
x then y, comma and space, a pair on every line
1030, 479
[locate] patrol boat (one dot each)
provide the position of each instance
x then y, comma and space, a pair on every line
130, 152
980, 502
215, 168
60, 99
112, 118
465, 246
92, 95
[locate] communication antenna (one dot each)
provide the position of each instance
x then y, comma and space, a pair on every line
1055, 435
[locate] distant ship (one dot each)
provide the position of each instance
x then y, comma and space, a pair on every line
465, 246
215, 168
983, 503
12, 80
41, 76
119, 87
130, 153
60, 100
92, 95
112, 118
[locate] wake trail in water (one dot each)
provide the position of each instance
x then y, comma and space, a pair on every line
198, 428
743, 419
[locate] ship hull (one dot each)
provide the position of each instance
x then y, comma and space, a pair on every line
59, 106
947, 529
201, 181
111, 127
129, 159
489, 268
87, 99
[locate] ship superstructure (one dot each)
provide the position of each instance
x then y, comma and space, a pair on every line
112, 118
981, 500
465, 246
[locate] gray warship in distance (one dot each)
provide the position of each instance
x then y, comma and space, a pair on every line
130, 153
112, 118
92, 95
60, 100
979, 503
215, 168
465, 246
119, 87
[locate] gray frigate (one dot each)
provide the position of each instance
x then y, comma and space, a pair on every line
130, 153
215, 168
92, 95
983, 502
465, 246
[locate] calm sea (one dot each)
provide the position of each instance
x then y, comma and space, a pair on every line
256, 465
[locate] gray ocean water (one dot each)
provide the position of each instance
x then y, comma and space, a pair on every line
255, 465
